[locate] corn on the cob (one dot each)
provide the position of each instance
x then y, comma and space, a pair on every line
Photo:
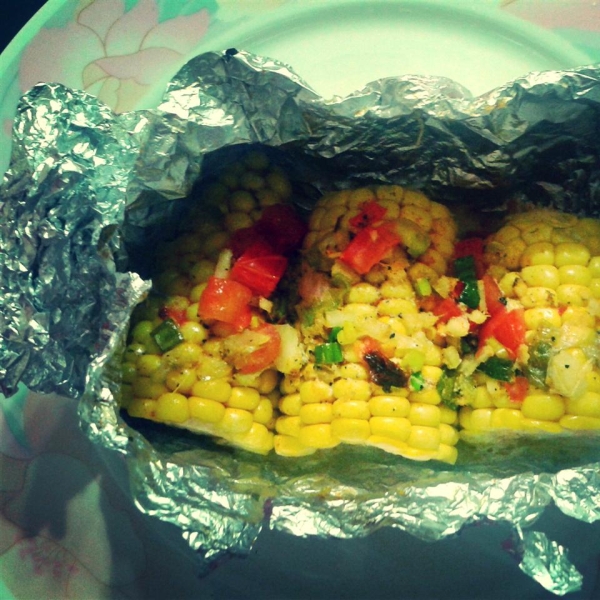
372, 259
547, 266
183, 371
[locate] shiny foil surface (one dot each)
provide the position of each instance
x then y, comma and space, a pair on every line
88, 189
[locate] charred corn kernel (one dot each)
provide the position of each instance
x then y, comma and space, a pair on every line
541, 276
540, 425
351, 409
351, 431
203, 409
315, 391
447, 453
195, 333
291, 404
364, 293
397, 428
236, 420
579, 422
427, 396
545, 316
142, 408
539, 253
351, 388
424, 438
172, 408
424, 414
570, 253
257, 439
448, 435
212, 389
288, 425
448, 415
578, 274
289, 446
573, 294
507, 418
212, 368
263, 413
389, 406
181, 380
546, 407
144, 387
246, 398
321, 412
586, 405
318, 435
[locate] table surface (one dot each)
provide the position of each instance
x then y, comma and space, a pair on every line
52, 545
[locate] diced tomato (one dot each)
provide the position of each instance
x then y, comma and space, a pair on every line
252, 359
260, 273
506, 327
493, 295
517, 389
282, 227
368, 247
226, 300
474, 247
370, 212
446, 309
249, 239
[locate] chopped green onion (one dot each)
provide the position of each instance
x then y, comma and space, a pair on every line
446, 385
328, 354
416, 382
423, 287
333, 334
167, 335
465, 271
537, 365
498, 368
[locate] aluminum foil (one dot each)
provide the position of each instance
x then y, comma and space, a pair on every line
87, 190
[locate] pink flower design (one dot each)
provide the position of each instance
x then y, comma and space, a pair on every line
116, 55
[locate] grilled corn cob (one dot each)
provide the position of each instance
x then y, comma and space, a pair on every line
372, 259
547, 265
195, 373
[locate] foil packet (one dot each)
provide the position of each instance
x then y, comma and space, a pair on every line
88, 189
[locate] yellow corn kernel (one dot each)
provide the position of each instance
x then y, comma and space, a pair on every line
353, 371
172, 408
257, 439
478, 419
353, 389
417, 214
539, 253
579, 422
578, 274
541, 276
540, 425
402, 290
212, 389
142, 408
237, 220
448, 415
586, 405
507, 418
330, 218
511, 284
203, 409
236, 420
389, 406
246, 398
482, 398
351, 409
592, 380
315, 391
397, 306
197, 291
397, 428
363, 293
594, 266
263, 413
545, 407
579, 315
321, 412
194, 333
424, 414
289, 446
392, 209
573, 294
181, 380
443, 245
507, 234
185, 353
288, 425
595, 287
148, 364
389, 444
448, 435
428, 396
450, 357
542, 316
199, 274
512, 253
433, 259
424, 438
242, 200
211, 367
291, 404
534, 297
447, 453
191, 313
431, 373
571, 253
215, 242
144, 387
351, 431
318, 435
